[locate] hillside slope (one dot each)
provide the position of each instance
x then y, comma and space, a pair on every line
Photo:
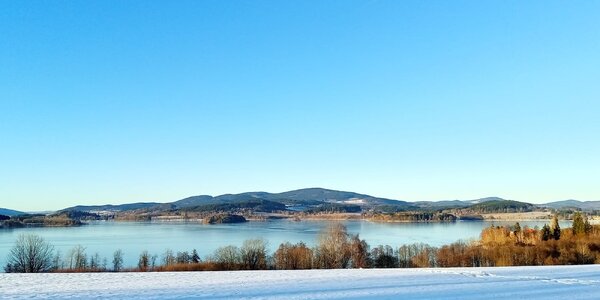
583, 205
10, 212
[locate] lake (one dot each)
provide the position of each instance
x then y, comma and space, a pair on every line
156, 237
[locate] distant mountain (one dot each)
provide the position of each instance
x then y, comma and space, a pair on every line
583, 205
222, 199
442, 204
302, 197
10, 212
332, 196
454, 203
319, 198
257, 205
194, 201
486, 199
310, 196
110, 207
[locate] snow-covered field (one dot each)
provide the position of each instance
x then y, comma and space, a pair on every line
566, 282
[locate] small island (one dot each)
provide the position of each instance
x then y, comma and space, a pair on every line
224, 219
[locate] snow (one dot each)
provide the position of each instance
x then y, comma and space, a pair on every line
551, 282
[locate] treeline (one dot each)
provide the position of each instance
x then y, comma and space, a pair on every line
498, 206
413, 217
241, 206
336, 248
334, 208
38, 220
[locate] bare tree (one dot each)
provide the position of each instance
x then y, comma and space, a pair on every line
254, 254
56, 261
359, 252
144, 261
293, 257
183, 257
117, 260
31, 254
228, 257
153, 260
332, 250
77, 258
169, 258
95, 262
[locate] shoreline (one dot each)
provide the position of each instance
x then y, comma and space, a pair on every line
508, 217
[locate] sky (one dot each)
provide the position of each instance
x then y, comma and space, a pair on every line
126, 101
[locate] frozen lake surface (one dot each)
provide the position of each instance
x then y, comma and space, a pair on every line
550, 282
135, 237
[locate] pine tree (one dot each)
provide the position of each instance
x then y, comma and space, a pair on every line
546, 234
578, 224
555, 228
588, 226
195, 256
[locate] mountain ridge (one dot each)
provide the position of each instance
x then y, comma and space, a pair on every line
300, 197
571, 203
10, 212
318, 196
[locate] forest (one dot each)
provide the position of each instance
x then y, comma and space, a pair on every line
336, 248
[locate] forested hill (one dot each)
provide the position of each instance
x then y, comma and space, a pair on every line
312, 197
110, 207
575, 204
502, 206
10, 212
315, 200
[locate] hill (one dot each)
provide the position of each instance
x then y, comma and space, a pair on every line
310, 199
501, 206
453, 203
257, 205
110, 207
332, 196
486, 199
307, 197
10, 212
313, 200
583, 205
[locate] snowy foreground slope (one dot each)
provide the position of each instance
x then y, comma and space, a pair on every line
568, 282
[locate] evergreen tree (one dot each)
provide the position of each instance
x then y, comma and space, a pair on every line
195, 256
578, 224
546, 234
555, 228
517, 228
588, 226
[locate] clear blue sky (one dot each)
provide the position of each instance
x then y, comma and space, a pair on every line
125, 101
